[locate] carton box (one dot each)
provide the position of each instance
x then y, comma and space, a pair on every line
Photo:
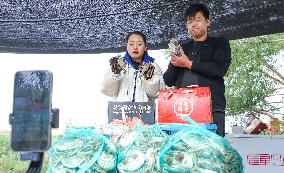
254, 125
194, 102
274, 126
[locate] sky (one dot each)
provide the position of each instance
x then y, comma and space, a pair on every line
76, 84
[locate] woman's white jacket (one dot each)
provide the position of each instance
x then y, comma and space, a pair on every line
130, 84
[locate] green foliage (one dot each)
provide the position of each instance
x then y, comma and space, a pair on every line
249, 80
10, 160
166, 54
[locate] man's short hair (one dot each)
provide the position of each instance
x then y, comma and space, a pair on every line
195, 8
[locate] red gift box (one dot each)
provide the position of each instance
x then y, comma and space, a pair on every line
194, 102
254, 125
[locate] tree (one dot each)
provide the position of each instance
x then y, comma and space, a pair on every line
254, 75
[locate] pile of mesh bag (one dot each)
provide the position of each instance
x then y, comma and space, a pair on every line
197, 150
147, 149
82, 150
138, 150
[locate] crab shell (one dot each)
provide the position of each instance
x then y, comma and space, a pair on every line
132, 161
106, 161
127, 139
73, 162
121, 62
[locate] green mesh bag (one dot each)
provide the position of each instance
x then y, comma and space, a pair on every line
138, 150
81, 150
196, 150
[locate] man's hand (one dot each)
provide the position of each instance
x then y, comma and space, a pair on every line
181, 60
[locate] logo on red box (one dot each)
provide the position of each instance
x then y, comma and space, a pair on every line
183, 107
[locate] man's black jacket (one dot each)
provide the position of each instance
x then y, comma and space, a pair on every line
210, 63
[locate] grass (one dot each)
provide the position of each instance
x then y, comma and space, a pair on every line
10, 160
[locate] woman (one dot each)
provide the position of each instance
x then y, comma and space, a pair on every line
134, 77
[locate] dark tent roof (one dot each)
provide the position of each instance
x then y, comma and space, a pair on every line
94, 26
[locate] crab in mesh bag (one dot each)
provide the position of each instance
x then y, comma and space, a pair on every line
82, 150
138, 150
117, 64
147, 69
197, 150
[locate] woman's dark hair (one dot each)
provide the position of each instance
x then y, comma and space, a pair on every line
195, 8
137, 33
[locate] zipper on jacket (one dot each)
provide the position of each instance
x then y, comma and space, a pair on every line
134, 92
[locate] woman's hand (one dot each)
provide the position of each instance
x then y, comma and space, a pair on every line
147, 69
116, 64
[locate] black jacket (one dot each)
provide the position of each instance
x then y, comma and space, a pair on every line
210, 65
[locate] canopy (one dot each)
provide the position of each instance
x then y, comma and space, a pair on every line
100, 26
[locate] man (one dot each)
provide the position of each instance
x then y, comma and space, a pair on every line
203, 61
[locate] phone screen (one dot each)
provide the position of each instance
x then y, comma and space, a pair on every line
31, 127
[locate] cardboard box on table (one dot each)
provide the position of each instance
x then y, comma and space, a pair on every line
275, 127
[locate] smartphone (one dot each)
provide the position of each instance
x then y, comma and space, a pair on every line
31, 117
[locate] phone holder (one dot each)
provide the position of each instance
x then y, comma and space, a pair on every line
54, 118
37, 158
